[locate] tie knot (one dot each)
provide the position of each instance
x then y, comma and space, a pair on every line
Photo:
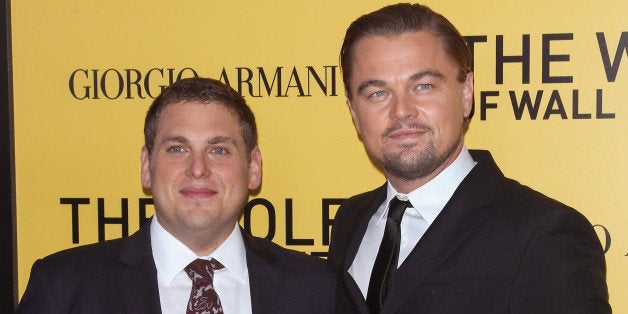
396, 208
202, 268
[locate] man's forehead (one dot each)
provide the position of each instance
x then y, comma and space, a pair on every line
175, 106
177, 112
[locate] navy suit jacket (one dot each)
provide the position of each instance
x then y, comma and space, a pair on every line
496, 247
119, 276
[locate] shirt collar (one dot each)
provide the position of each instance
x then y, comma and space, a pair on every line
171, 256
429, 199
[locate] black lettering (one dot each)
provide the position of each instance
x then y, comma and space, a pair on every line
611, 69
95, 78
170, 76
290, 240
103, 83
471, 40
327, 220
242, 79
548, 58
555, 99
123, 221
143, 202
524, 59
148, 80
576, 110
271, 216
599, 111
72, 85
294, 76
323, 85
135, 81
224, 77
75, 202
182, 75
269, 87
526, 102
484, 105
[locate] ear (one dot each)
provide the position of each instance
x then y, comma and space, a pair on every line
467, 95
255, 169
354, 117
145, 172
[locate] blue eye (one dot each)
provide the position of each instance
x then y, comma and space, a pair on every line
424, 86
377, 94
176, 149
219, 150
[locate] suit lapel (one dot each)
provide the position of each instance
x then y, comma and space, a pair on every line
137, 283
265, 280
463, 213
362, 213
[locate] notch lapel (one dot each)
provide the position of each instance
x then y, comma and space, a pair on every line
137, 283
364, 211
466, 210
264, 279
361, 212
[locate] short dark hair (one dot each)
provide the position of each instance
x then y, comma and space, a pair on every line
402, 18
203, 90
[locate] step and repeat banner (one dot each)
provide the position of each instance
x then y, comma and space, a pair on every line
550, 104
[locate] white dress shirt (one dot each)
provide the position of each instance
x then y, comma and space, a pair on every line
427, 202
171, 257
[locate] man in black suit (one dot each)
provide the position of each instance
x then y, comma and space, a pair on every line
200, 160
469, 240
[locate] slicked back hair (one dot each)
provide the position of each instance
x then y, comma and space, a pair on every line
398, 19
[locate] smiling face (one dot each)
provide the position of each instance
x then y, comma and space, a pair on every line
199, 172
408, 105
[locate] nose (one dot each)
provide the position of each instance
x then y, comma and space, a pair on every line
198, 166
403, 106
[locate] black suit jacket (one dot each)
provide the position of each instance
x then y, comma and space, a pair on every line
496, 247
119, 276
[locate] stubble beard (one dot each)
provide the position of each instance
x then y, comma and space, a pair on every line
408, 164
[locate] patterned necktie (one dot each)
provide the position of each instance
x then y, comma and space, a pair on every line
203, 297
387, 257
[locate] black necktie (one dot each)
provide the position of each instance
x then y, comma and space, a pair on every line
387, 257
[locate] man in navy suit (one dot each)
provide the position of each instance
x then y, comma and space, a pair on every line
200, 160
467, 239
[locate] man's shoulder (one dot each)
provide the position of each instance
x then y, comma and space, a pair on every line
366, 197
513, 202
285, 256
527, 201
74, 270
506, 191
84, 255
300, 282
286, 261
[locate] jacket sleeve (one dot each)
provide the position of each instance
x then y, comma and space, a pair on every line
39, 296
563, 269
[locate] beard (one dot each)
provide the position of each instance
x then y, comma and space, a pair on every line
410, 162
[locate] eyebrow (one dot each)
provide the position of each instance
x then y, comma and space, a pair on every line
427, 73
221, 139
370, 83
214, 140
176, 138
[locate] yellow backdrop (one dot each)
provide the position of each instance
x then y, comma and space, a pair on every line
551, 88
